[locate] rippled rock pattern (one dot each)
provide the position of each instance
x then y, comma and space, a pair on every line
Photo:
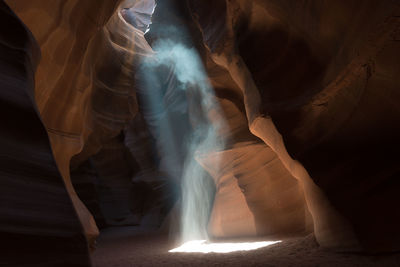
308, 89
323, 72
38, 222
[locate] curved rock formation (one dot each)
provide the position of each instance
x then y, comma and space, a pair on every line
313, 78
63, 79
36, 211
305, 103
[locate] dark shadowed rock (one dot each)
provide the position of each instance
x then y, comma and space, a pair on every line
38, 223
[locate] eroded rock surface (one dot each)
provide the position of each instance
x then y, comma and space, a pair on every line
306, 93
36, 212
316, 68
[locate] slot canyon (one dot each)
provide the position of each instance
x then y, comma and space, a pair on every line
199, 133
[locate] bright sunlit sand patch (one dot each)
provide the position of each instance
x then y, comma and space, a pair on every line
202, 246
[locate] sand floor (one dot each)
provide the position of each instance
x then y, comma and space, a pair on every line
130, 246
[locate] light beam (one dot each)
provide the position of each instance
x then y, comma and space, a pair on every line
202, 246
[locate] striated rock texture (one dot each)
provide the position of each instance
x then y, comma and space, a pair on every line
38, 223
70, 35
307, 91
85, 83
255, 195
326, 75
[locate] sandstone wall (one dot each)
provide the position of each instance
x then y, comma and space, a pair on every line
308, 89
64, 79
38, 222
325, 74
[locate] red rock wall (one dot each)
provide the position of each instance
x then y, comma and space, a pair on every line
64, 86
310, 86
325, 73
38, 222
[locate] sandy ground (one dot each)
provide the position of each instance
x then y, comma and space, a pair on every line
130, 246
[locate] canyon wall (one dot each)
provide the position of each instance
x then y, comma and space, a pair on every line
64, 82
308, 91
325, 73
37, 215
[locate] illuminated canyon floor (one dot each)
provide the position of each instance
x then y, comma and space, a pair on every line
130, 246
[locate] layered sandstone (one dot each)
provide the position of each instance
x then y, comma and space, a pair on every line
306, 94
